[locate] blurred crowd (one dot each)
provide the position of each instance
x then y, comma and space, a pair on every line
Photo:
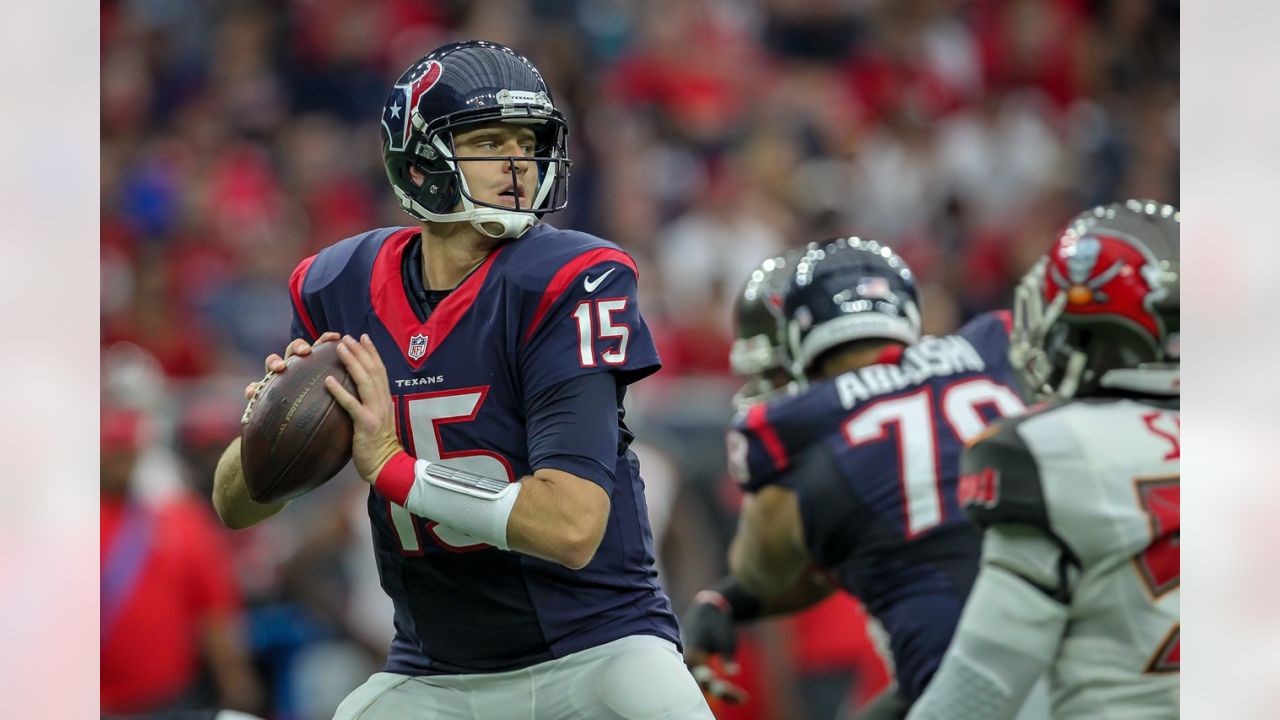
241, 136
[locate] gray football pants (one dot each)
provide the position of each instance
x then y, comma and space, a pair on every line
635, 678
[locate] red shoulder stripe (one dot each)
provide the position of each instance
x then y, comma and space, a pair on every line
759, 424
565, 276
1006, 317
295, 290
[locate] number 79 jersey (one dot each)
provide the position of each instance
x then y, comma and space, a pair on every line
873, 456
539, 310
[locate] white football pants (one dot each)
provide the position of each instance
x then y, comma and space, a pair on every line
634, 678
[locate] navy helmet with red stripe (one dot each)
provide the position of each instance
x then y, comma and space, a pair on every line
846, 290
453, 88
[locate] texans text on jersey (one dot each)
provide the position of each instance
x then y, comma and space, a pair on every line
415, 381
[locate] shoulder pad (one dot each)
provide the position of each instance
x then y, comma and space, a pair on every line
546, 259
534, 256
988, 333
766, 438
558, 284
355, 254
556, 275
1000, 479
355, 251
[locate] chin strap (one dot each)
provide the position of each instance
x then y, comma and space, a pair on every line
501, 224
1148, 381
1072, 375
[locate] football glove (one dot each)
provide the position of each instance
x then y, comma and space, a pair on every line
711, 637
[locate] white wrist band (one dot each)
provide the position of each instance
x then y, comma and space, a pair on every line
465, 501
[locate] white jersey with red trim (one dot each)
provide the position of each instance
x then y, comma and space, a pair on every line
1080, 573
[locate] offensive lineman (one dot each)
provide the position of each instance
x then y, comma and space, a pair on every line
1080, 497
759, 354
856, 474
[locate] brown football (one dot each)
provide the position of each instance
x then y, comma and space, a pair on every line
294, 436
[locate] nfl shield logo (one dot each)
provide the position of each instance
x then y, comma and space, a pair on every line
417, 346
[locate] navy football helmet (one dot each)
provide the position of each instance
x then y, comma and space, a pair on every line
1101, 309
849, 289
455, 87
759, 353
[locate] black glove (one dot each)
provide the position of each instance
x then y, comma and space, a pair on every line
710, 631
708, 626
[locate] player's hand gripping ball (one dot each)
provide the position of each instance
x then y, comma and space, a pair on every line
294, 436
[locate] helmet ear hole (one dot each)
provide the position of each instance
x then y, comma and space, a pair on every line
435, 188
439, 186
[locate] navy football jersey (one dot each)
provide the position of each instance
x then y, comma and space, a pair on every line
873, 456
540, 310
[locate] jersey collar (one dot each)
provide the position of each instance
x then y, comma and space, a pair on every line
415, 339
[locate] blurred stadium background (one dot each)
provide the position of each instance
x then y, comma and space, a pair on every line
239, 137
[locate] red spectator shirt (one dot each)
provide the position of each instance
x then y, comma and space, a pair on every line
152, 653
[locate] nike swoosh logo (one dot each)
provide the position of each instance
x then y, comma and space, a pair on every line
590, 285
